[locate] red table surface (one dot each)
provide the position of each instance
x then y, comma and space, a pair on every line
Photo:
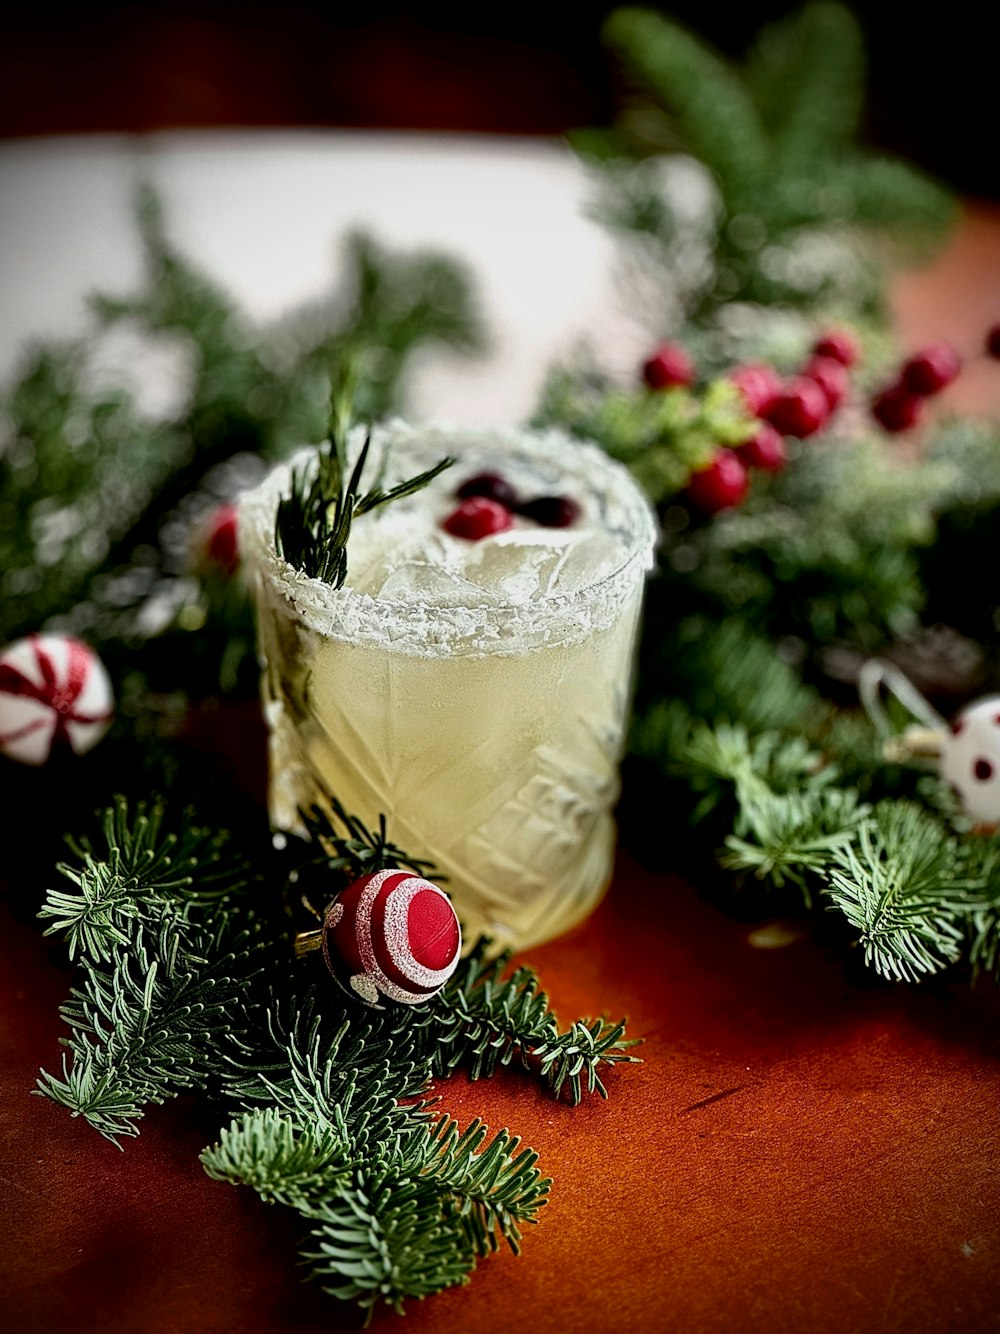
794, 1153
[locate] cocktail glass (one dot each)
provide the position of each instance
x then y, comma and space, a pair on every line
475, 693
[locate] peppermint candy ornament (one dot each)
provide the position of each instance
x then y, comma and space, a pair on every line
393, 935
970, 759
54, 691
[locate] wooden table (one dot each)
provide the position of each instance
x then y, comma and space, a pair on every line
795, 1153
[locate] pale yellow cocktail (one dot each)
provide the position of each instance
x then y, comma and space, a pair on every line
475, 692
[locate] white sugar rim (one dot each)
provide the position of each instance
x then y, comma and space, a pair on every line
426, 630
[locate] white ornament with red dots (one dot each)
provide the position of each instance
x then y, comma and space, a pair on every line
54, 691
392, 935
970, 759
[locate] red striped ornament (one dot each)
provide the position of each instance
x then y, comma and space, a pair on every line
393, 935
54, 691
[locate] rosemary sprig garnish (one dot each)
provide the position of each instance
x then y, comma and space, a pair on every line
313, 522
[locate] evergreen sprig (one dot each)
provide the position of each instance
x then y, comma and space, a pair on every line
793, 192
483, 1019
187, 982
350, 846
903, 884
139, 867
313, 522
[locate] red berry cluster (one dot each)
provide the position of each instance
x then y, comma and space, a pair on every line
488, 503
804, 404
900, 404
797, 407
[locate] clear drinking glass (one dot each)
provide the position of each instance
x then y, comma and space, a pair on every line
475, 692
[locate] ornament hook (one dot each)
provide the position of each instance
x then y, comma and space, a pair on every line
924, 739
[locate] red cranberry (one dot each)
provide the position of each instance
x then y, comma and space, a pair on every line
831, 376
896, 409
931, 369
801, 409
760, 385
489, 484
551, 511
477, 517
993, 342
722, 484
668, 367
838, 344
222, 540
765, 450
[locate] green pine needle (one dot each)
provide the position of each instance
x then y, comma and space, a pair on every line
313, 522
903, 884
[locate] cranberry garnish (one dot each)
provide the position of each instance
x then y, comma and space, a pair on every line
896, 409
932, 369
551, 511
491, 485
759, 385
831, 376
838, 344
765, 449
222, 546
477, 517
668, 367
801, 408
721, 485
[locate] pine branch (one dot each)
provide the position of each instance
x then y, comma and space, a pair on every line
904, 886
806, 76
388, 1240
496, 1185
313, 522
716, 119
285, 1160
485, 1020
138, 868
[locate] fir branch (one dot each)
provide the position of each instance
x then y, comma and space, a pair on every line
904, 886
496, 1185
168, 953
138, 867
353, 1076
792, 836
798, 202
355, 849
806, 77
716, 119
151, 1021
387, 1240
484, 1020
572, 1059
285, 1160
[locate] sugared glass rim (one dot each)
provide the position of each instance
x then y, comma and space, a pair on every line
443, 631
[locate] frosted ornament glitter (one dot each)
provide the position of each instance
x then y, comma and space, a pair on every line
54, 691
391, 935
473, 692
